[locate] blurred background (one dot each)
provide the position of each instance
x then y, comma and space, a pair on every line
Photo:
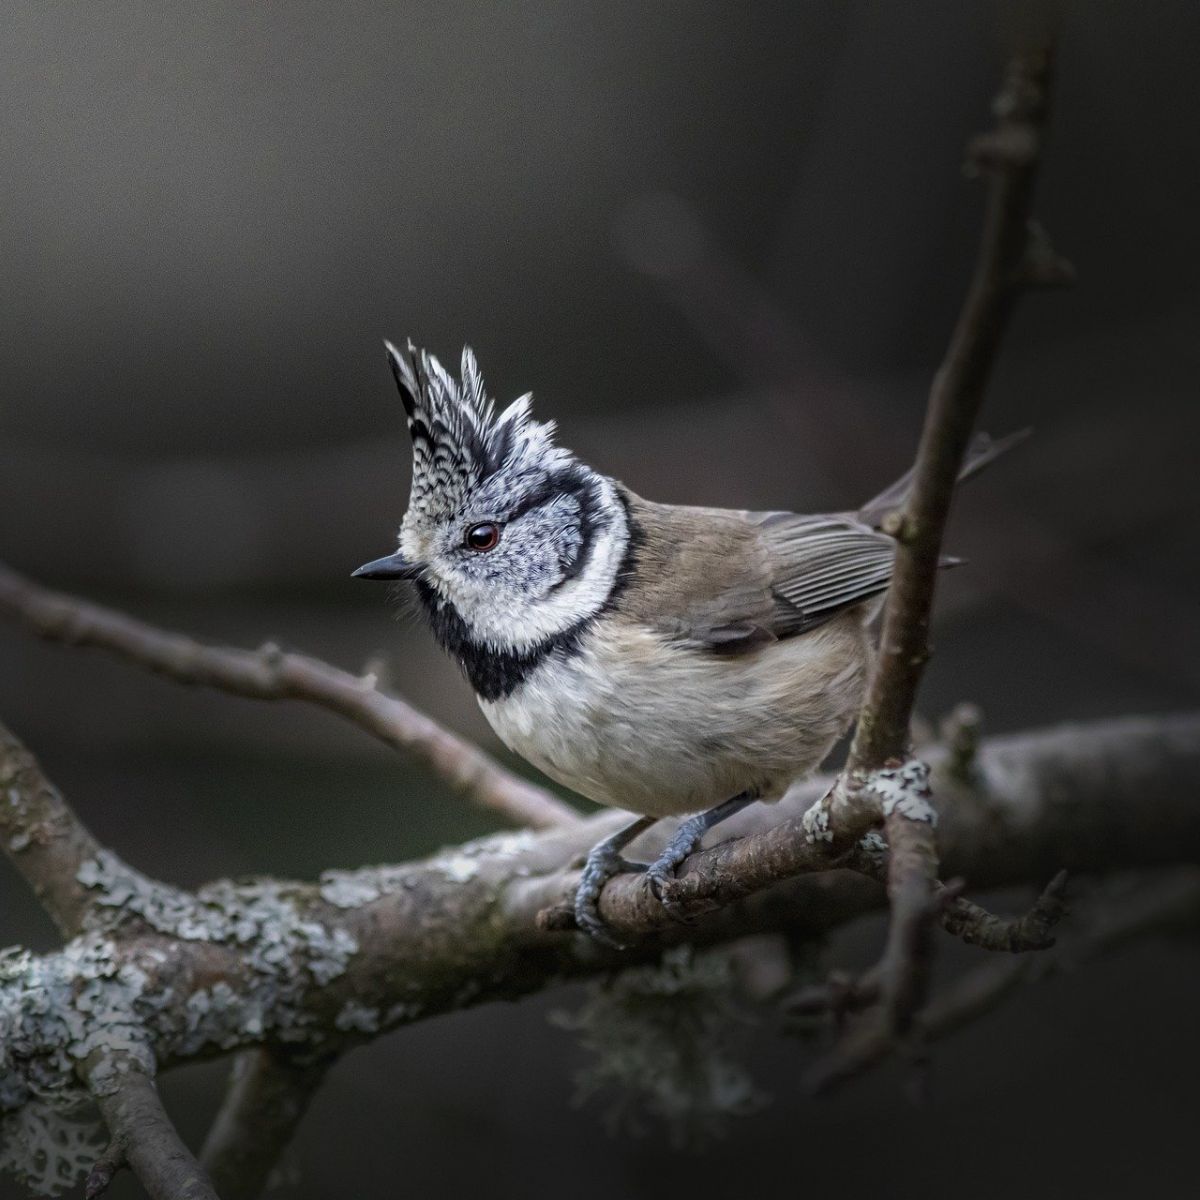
724, 244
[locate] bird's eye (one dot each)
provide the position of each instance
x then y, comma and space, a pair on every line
483, 537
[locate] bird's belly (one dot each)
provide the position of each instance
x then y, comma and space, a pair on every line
637, 723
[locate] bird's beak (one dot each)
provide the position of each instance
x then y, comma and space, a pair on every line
394, 566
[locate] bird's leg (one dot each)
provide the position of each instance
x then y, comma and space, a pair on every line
602, 864
687, 837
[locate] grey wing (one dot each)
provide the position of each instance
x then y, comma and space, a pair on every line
822, 565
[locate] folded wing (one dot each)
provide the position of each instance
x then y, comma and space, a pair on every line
822, 565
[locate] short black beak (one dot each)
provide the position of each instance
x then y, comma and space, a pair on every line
395, 566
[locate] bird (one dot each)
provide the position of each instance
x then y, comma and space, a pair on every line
668, 660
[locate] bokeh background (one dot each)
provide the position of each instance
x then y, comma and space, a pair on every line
723, 243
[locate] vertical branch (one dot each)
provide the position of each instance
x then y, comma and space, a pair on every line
266, 1100
1013, 254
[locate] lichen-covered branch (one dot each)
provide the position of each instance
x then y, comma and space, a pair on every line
272, 674
42, 836
308, 969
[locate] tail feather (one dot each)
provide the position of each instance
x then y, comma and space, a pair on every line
982, 451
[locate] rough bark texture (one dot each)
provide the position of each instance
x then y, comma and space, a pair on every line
310, 966
147, 1140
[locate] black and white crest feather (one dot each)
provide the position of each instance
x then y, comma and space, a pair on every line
458, 440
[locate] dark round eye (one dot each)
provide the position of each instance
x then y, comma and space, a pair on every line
483, 537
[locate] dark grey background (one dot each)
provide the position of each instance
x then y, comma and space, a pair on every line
724, 244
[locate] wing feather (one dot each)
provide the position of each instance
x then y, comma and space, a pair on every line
734, 581
823, 565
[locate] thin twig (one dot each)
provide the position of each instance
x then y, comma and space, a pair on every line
42, 836
267, 1097
1011, 257
149, 1142
1033, 930
103, 1171
1009, 154
272, 674
1163, 905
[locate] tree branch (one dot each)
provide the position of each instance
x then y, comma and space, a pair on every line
267, 1098
144, 1135
1033, 930
1009, 154
1004, 267
271, 674
311, 969
44, 839
1164, 904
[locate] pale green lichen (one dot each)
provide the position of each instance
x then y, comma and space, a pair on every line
57, 1013
874, 845
353, 889
348, 889
661, 1038
99, 1006
461, 864
357, 1018
47, 1148
263, 916
502, 845
904, 790
458, 868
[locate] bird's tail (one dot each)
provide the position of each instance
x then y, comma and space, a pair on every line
983, 450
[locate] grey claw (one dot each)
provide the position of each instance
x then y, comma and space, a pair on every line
601, 866
659, 878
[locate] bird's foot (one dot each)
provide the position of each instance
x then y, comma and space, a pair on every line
687, 839
660, 875
603, 863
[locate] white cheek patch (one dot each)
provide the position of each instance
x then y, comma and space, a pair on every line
508, 621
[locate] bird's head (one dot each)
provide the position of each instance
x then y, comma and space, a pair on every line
505, 532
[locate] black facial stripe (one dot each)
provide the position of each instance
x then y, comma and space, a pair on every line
587, 493
571, 481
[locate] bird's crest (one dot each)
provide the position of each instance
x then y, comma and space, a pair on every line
458, 440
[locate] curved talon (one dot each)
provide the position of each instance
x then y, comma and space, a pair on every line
599, 869
686, 840
662, 888
659, 877
602, 864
